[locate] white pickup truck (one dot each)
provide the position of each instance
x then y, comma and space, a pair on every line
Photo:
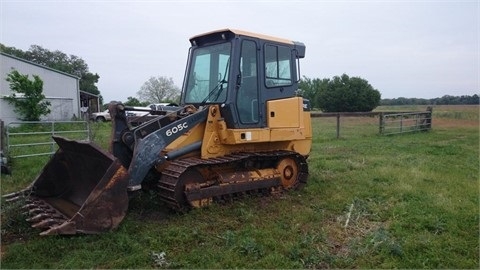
101, 116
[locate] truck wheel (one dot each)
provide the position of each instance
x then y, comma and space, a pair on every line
100, 119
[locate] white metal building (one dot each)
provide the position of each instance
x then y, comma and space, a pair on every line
60, 88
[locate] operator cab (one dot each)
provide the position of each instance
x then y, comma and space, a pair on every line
241, 71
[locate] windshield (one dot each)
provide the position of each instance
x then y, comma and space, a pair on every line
208, 74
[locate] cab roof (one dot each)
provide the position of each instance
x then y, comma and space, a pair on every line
243, 33
228, 34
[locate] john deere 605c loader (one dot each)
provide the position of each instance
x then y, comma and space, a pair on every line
240, 127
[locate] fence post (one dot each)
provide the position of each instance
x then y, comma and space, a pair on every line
2, 135
401, 123
381, 123
429, 118
338, 125
89, 130
52, 145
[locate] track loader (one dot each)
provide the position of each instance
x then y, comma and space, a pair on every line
240, 128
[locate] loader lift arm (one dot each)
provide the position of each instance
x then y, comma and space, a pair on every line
149, 139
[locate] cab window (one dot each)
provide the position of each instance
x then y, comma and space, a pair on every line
277, 66
208, 74
247, 95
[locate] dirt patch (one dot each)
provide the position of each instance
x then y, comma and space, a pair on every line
341, 239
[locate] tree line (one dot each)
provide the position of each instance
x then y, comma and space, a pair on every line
354, 94
444, 100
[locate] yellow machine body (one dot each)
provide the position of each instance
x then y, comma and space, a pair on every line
240, 128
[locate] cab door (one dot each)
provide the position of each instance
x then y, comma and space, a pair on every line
247, 95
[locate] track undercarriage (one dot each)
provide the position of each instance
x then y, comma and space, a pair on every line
195, 182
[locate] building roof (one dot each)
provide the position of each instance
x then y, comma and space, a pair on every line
38, 65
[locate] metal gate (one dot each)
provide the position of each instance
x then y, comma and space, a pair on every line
395, 123
29, 139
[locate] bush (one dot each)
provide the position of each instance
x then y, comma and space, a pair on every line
345, 94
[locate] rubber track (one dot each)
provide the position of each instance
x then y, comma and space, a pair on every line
172, 173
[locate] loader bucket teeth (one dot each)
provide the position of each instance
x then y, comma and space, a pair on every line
12, 197
43, 216
82, 189
46, 223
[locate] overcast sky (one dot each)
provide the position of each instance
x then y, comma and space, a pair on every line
422, 49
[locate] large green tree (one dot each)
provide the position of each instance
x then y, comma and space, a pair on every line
58, 60
27, 96
310, 89
346, 94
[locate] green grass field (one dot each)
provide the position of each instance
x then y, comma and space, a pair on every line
372, 201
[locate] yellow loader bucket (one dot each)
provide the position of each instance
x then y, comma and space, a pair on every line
82, 189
